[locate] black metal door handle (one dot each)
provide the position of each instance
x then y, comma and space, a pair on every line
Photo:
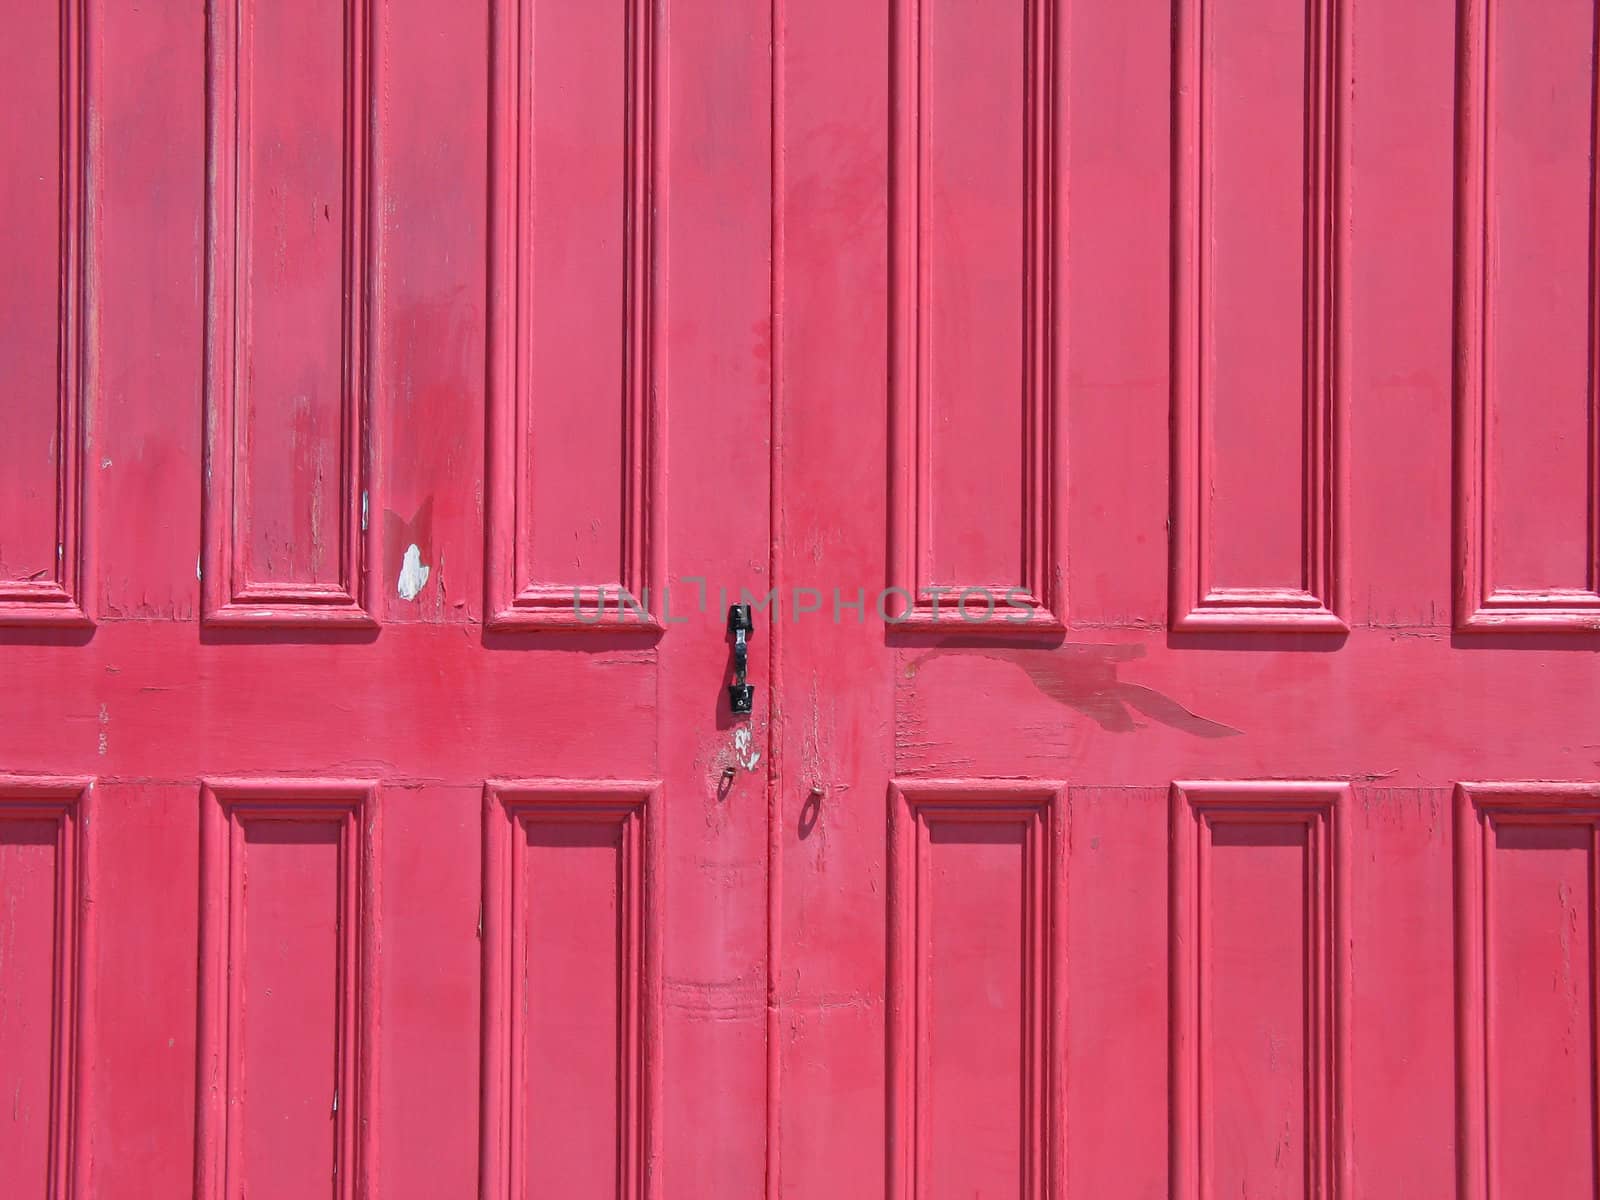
741, 624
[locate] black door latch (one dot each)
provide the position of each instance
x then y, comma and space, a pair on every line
741, 696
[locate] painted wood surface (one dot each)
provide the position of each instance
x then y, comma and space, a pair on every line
1208, 385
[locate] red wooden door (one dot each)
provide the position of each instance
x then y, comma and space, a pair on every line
1160, 443
357, 837
1245, 349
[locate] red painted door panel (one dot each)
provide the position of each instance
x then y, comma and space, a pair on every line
1161, 444
341, 352
1199, 331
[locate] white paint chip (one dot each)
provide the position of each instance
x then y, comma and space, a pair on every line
744, 748
413, 574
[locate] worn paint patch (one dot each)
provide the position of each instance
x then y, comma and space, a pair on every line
413, 573
744, 748
724, 756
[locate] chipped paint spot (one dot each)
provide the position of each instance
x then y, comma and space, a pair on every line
105, 722
413, 573
104, 463
744, 748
